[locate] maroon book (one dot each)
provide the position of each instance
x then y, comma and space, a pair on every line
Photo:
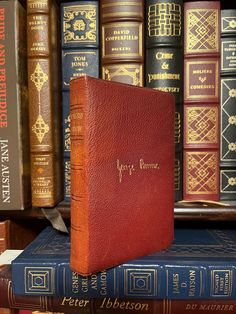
122, 172
201, 100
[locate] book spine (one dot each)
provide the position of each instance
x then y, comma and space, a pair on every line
122, 36
201, 100
78, 116
14, 138
4, 239
80, 56
105, 305
44, 101
164, 65
227, 108
110, 306
174, 281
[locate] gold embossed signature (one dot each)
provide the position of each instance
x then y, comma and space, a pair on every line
130, 168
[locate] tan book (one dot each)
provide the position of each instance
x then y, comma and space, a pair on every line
122, 40
45, 102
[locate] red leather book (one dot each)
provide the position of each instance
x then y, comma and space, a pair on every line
201, 100
122, 172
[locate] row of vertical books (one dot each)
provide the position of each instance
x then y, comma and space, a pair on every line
179, 48
174, 47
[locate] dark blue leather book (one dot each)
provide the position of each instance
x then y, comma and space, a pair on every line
80, 56
228, 108
200, 264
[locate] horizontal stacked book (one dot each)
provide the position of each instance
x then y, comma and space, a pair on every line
200, 264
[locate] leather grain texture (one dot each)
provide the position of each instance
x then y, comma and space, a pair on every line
122, 41
201, 100
122, 172
44, 81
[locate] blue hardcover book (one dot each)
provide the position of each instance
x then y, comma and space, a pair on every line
79, 56
200, 264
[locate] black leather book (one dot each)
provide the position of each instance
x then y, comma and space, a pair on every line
164, 65
228, 108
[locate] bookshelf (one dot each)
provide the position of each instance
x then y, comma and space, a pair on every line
182, 212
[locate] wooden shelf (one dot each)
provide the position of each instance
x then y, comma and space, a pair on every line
182, 212
205, 212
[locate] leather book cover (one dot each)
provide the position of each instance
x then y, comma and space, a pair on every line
44, 81
227, 106
105, 305
202, 25
199, 258
201, 100
122, 172
228, 22
122, 41
79, 56
164, 20
164, 65
14, 118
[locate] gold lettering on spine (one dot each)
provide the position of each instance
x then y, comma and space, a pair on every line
221, 282
108, 303
74, 302
211, 71
127, 32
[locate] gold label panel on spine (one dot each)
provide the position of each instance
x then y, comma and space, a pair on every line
228, 55
79, 24
164, 19
202, 27
202, 125
201, 80
122, 40
201, 172
228, 24
228, 181
124, 73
